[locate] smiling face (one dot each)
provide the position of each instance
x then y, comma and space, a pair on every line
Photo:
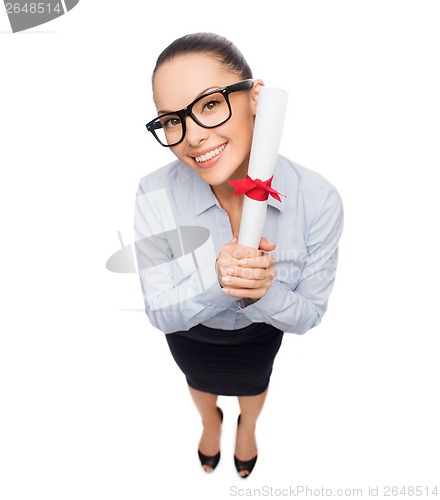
219, 154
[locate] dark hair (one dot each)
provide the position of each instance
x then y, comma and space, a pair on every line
207, 43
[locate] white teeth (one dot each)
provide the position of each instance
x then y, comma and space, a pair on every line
209, 155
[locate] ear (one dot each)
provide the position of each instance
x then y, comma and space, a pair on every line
255, 91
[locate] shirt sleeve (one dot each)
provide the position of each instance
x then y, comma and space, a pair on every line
179, 286
299, 310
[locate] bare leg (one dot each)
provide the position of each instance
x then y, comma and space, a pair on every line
207, 406
246, 444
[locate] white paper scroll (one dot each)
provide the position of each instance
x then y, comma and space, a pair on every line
269, 121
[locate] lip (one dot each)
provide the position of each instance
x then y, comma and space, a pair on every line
208, 163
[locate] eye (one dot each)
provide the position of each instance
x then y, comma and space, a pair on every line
171, 122
211, 105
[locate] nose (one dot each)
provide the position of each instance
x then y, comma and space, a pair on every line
195, 134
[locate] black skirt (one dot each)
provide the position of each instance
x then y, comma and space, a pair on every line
227, 362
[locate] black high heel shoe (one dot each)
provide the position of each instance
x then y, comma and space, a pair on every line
244, 465
213, 460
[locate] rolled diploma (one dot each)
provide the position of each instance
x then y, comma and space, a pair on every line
269, 121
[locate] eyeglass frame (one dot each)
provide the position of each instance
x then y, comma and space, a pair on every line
187, 111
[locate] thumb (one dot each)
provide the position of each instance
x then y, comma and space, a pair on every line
266, 245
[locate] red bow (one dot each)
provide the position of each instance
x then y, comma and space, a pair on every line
255, 188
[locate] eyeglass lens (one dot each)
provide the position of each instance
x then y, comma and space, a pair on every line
210, 111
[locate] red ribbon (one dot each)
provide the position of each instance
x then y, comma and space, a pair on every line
255, 188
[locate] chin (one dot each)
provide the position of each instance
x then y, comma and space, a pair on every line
219, 174
213, 179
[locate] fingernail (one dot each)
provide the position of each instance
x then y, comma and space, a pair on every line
226, 279
230, 270
225, 290
242, 262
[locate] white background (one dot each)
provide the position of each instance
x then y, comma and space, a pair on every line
92, 404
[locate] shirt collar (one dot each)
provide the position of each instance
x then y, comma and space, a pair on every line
204, 197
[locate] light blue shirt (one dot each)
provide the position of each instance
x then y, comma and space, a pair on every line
180, 228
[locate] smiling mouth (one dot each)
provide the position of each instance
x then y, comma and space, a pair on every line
210, 154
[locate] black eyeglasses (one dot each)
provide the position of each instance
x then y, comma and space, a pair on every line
209, 111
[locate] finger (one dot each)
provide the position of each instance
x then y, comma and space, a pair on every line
249, 273
244, 252
264, 261
240, 277
234, 282
243, 293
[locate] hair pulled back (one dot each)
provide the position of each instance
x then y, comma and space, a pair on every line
207, 43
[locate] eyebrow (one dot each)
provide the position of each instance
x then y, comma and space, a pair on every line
165, 111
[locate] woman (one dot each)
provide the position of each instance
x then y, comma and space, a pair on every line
224, 307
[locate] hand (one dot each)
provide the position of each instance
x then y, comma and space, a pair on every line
246, 272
